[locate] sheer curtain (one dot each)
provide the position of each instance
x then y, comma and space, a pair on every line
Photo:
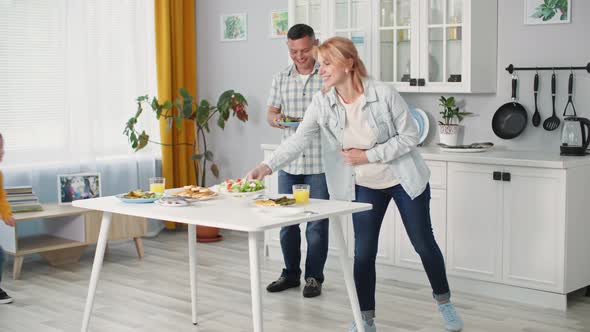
70, 71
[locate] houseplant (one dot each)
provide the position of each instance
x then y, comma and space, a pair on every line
451, 117
186, 108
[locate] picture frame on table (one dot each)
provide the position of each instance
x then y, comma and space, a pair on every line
234, 27
547, 11
73, 187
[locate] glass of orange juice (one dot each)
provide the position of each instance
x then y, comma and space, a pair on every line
301, 193
157, 185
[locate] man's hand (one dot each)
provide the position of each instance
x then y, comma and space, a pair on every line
354, 157
273, 116
259, 172
10, 221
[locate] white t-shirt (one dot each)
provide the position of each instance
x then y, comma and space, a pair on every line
358, 135
303, 78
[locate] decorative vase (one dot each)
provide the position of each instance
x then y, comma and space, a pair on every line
449, 134
208, 234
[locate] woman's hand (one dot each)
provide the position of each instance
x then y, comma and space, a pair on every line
259, 172
274, 118
10, 221
354, 157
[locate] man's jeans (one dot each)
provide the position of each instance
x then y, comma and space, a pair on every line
316, 232
416, 218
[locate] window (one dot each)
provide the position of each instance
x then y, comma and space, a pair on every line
70, 71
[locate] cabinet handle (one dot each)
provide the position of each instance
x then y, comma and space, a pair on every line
421, 82
497, 176
506, 177
413, 82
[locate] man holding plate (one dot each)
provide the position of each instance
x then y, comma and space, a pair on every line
290, 95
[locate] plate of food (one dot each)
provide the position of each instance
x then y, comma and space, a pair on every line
240, 187
279, 207
290, 121
139, 196
193, 193
172, 201
474, 147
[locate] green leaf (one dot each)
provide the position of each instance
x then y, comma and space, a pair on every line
184, 93
203, 112
187, 109
197, 156
155, 103
167, 105
220, 122
143, 140
563, 17
209, 155
215, 170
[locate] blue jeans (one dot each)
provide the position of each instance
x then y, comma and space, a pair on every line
316, 232
416, 218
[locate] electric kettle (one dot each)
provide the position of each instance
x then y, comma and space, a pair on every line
575, 136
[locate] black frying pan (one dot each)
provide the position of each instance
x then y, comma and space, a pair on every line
511, 118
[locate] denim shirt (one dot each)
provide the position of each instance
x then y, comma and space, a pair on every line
392, 124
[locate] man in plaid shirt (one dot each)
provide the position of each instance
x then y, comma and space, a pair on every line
290, 95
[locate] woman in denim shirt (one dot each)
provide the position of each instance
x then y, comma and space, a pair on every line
369, 140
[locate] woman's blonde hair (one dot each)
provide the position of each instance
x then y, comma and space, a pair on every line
339, 51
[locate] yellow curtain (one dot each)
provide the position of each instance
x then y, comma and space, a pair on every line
176, 66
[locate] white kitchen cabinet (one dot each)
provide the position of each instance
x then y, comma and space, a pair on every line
474, 222
506, 224
534, 227
417, 45
436, 45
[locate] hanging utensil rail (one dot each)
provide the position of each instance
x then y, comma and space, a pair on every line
511, 69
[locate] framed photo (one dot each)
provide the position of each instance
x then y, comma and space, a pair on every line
234, 27
72, 187
547, 11
279, 23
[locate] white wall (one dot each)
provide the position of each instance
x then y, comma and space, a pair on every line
248, 66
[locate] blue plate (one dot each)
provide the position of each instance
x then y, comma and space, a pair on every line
138, 200
422, 122
293, 124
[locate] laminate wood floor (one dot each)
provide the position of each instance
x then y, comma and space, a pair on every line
153, 295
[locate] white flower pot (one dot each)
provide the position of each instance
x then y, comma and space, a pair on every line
449, 134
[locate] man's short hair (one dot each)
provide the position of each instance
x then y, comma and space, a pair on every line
299, 31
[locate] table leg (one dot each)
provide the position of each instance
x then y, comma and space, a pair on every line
96, 266
17, 266
255, 280
348, 276
192, 261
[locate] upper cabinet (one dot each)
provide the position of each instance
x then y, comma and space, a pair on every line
417, 45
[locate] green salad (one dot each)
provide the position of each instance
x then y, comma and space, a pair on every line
241, 185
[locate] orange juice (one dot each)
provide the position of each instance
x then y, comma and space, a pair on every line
301, 196
157, 187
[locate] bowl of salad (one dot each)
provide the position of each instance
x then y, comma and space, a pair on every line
240, 187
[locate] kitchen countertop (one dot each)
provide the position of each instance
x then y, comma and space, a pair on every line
498, 156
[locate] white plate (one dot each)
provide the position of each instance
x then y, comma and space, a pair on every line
422, 122
280, 211
465, 150
177, 203
217, 189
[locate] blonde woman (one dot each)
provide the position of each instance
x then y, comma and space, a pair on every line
368, 141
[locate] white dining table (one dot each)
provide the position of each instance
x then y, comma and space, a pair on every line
232, 213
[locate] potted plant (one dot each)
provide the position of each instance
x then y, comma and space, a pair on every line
186, 108
451, 117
